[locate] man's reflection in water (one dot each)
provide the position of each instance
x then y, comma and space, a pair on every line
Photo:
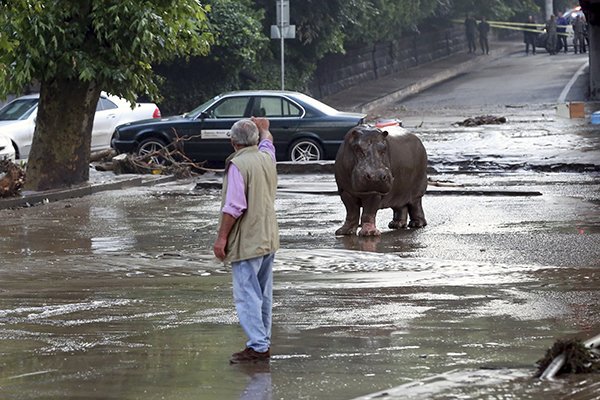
259, 387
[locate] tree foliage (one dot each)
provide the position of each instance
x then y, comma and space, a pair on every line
112, 43
503, 10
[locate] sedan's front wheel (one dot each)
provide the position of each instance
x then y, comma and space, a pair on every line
305, 150
155, 150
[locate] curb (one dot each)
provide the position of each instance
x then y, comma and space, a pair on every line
31, 198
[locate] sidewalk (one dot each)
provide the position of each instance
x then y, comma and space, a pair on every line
395, 87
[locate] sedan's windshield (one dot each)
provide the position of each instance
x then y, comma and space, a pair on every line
196, 111
18, 109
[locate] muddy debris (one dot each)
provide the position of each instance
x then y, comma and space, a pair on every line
12, 178
482, 120
578, 358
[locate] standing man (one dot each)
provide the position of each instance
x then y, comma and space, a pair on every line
561, 30
578, 35
551, 35
248, 235
484, 30
471, 31
529, 36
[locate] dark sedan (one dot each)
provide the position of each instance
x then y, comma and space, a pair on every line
304, 129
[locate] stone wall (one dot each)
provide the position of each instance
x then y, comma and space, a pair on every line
337, 72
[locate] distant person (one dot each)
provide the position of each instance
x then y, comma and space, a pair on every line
248, 234
578, 35
484, 30
551, 35
471, 33
529, 36
561, 31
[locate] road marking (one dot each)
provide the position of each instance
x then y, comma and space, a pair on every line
565, 91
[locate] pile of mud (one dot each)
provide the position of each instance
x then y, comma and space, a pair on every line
578, 358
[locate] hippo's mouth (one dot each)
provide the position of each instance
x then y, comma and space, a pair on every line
371, 193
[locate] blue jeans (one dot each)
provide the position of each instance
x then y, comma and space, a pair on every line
253, 296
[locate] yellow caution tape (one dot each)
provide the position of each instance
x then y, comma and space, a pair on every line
520, 26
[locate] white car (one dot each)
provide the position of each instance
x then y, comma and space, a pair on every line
7, 151
17, 120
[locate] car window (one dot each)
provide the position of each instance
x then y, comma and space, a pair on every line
105, 104
277, 107
233, 107
18, 109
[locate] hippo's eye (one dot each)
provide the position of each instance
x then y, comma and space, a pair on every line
358, 149
381, 147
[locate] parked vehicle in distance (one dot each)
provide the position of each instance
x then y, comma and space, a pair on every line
304, 129
17, 120
7, 151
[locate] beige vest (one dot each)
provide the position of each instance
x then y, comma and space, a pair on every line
255, 233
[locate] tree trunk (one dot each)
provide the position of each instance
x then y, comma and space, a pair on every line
60, 152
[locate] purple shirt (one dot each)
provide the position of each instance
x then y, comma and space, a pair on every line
235, 198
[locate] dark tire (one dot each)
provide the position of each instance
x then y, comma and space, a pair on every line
305, 150
154, 146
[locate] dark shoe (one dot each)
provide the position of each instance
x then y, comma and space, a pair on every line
249, 355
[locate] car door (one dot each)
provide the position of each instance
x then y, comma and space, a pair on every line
213, 142
284, 116
105, 121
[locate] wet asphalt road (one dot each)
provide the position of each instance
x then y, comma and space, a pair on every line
117, 295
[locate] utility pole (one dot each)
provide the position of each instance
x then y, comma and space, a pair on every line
283, 30
549, 9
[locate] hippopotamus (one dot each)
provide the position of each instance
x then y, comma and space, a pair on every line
381, 168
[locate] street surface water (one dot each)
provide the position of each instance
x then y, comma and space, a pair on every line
117, 295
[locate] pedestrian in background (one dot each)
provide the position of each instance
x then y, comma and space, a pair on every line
484, 30
529, 37
248, 235
578, 35
551, 35
561, 31
471, 33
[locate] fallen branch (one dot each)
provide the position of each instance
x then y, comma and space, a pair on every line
102, 155
169, 160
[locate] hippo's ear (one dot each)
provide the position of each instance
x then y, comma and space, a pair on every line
352, 135
384, 133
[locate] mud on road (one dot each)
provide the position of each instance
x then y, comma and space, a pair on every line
117, 295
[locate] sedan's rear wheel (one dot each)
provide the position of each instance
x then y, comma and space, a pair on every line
306, 150
154, 149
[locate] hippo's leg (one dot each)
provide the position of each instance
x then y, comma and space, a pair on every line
417, 215
352, 205
400, 218
369, 213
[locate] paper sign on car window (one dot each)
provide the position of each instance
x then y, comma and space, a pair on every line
215, 134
